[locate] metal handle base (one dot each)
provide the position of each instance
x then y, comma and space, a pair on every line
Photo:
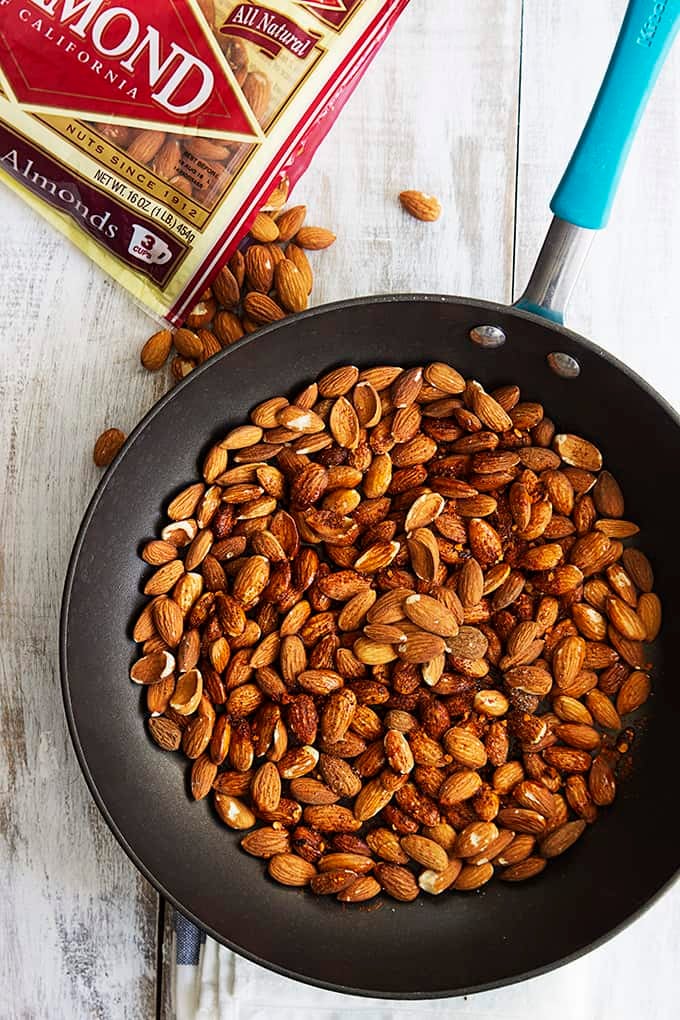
557, 269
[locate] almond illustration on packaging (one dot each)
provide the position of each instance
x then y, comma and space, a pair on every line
151, 133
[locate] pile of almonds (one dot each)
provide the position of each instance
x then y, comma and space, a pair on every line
397, 630
269, 280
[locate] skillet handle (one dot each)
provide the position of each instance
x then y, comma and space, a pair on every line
584, 196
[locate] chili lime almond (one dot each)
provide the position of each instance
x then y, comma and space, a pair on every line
393, 633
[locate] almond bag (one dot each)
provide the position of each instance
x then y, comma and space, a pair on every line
151, 132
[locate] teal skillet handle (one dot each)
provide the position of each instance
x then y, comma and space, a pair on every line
583, 200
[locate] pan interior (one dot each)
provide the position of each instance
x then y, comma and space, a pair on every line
435, 946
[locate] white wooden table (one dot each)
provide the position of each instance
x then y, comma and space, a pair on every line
477, 101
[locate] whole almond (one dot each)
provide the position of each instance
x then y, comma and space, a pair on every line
165, 733
523, 870
465, 747
296, 255
421, 206
425, 851
264, 228
261, 308
259, 268
459, 786
436, 882
107, 447
314, 238
362, 889
601, 782
196, 737
331, 818
289, 869
431, 615
226, 288
266, 842
156, 350
397, 881
398, 752
291, 286
265, 788
577, 452
649, 612
633, 692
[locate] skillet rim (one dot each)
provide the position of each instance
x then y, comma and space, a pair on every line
175, 393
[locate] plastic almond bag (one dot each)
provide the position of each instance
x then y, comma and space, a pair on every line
151, 132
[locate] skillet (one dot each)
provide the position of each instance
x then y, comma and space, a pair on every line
437, 946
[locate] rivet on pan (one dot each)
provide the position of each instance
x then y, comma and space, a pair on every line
564, 365
488, 336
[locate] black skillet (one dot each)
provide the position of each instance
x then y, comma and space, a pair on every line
435, 946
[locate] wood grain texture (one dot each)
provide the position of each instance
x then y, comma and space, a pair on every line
77, 922
436, 111
626, 299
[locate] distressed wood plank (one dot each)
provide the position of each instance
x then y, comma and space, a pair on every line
437, 111
78, 921
627, 297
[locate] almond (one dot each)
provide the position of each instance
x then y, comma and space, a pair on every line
465, 747
436, 882
424, 553
431, 615
397, 881
425, 851
625, 619
257, 91
633, 692
265, 788
314, 238
398, 752
290, 221
362, 889
108, 446
150, 669
259, 268
264, 229
601, 782
266, 842
459, 786
165, 733
485, 542
289, 869
168, 620
291, 286
296, 255
649, 613
344, 424
261, 308
421, 206
577, 452
188, 692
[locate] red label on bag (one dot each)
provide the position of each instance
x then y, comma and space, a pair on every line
103, 59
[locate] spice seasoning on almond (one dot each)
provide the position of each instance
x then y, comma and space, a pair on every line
375, 662
107, 447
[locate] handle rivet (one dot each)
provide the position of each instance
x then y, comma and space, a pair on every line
564, 365
488, 336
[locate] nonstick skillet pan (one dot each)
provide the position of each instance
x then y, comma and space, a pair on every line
435, 946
